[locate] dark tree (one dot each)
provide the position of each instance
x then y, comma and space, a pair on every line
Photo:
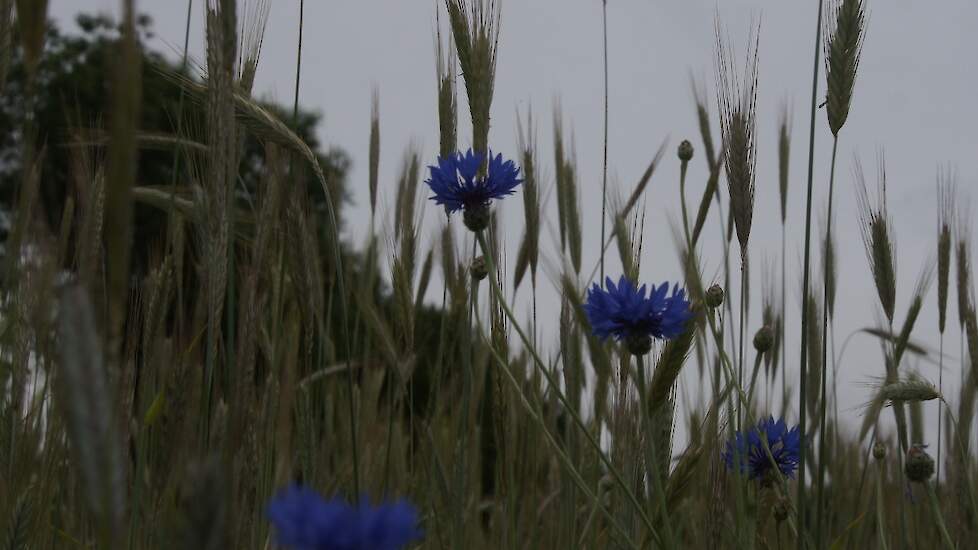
70, 99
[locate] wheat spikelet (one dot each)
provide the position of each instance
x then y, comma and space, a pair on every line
407, 192
738, 108
222, 158
19, 529
446, 69
916, 303
877, 234
844, 34
909, 390
271, 202
784, 156
962, 260
120, 178
703, 120
681, 479
530, 246
643, 182
84, 392
424, 279
626, 250
374, 154
829, 264
252, 36
403, 266
711, 190
475, 27
567, 193
713, 163
670, 364
945, 217
559, 177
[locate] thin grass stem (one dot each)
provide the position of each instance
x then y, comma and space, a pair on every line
604, 169
806, 282
935, 508
820, 483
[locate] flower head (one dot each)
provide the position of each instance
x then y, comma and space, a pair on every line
303, 520
919, 465
747, 450
456, 184
626, 313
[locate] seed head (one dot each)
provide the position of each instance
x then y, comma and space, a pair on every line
763, 339
737, 98
846, 29
782, 509
945, 215
878, 237
920, 465
714, 296
879, 451
479, 270
685, 151
476, 218
909, 391
784, 156
638, 344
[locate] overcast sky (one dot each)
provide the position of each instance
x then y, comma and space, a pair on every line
914, 99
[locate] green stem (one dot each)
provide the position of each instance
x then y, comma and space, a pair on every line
803, 373
784, 320
880, 516
555, 386
743, 316
604, 171
935, 509
940, 407
753, 379
682, 199
965, 458
461, 464
561, 454
652, 467
820, 483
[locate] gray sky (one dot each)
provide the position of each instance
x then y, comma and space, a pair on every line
914, 99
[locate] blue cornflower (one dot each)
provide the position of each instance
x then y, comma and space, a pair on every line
456, 185
747, 450
623, 311
303, 520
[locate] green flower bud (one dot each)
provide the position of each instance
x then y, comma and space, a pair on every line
763, 339
879, 451
714, 296
479, 270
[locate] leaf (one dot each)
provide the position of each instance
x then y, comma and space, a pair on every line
838, 543
155, 408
